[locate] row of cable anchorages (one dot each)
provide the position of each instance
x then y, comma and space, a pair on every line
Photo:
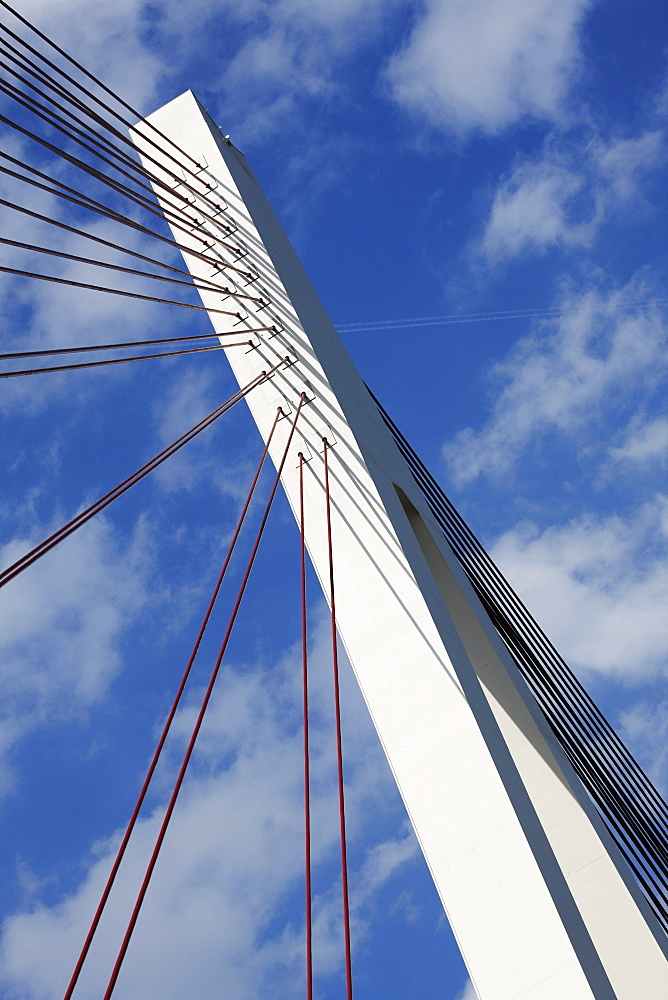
217, 230
233, 257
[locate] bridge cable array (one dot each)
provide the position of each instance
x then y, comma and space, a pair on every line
630, 806
120, 361
132, 186
200, 718
167, 726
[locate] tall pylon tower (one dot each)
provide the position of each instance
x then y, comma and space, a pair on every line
541, 901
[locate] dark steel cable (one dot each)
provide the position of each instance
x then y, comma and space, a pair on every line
165, 731
52, 119
87, 130
139, 118
200, 718
128, 343
550, 696
339, 749
307, 780
113, 291
143, 202
12, 53
618, 803
81, 68
76, 197
470, 560
147, 204
120, 361
200, 283
593, 721
627, 826
459, 534
85, 201
85, 515
431, 501
609, 773
635, 817
90, 95
212, 261
68, 127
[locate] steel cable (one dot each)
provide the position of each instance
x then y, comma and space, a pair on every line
339, 748
212, 261
137, 115
129, 161
308, 919
199, 283
576, 694
167, 726
82, 518
113, 291
46, 352
200, 718
471, 553
630, 805
120, 361
193, 223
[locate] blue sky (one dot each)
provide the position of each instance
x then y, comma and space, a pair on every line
478, 191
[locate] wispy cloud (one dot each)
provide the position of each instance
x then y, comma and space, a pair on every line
644, 441
485, 65
563, 196
108, 39
597, 584
559, 378
63, 623
644, 729
233, 856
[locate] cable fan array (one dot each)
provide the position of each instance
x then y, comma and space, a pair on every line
87, 127
81, 125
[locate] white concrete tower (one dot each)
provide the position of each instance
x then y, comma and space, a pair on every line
541, 902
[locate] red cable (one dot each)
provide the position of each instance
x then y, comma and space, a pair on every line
339, 752
76, 522
307, 796
165, 731
198, 724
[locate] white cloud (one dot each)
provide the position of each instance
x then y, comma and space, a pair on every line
532, 211
644, 729
294, 52
644, 442
563, 196
622, 162
485, 64
564, 376
63, 620
233, 857
468, 993
190, 397
53, 315
598, 587
106, 38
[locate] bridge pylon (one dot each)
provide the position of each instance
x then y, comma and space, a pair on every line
539, 898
